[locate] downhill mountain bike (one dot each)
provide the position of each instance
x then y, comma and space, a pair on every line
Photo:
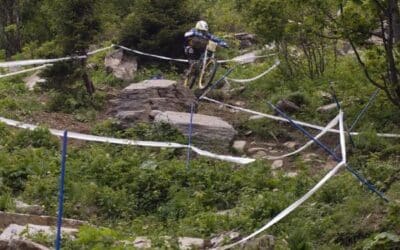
202, 71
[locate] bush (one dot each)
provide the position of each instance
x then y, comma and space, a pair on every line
267, 129
75, 101
155, 132
158, 26
383, 241
298, 240
6, 201
368, 141
39, 137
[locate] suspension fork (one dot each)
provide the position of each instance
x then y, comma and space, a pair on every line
203, 68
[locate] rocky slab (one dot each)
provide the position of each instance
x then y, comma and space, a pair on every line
210, 131
139, 101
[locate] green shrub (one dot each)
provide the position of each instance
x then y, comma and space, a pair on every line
158, 26
267, 129
298, 240
368, 141
383, 241
39, 137
155, 132
96, 238
73, 101
6, 201
109, 127
298, 98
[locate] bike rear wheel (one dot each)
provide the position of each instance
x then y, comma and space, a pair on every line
208, 75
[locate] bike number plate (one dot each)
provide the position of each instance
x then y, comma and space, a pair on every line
212, 46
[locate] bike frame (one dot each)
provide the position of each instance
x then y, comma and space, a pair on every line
211, 47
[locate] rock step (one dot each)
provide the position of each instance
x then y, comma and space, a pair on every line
23, 219
206, 129
136, 102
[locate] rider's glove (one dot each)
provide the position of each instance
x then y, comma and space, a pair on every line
224, 44
189, 50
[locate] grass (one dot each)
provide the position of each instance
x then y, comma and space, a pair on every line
138, 191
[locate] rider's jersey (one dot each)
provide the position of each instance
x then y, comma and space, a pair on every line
199, 40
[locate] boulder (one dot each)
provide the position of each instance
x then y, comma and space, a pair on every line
258, 153
21, 207
277, 164
239, 146
345, 48
122, 65
290, 144
229, 212
32, 80
256, 149
287, 106
224, 238
327, 108
142, 242
291, 174
21, 244
325, 96
246, 39
143, 101
240, 103
266, 242
310, 157
23, 219
210, 131
17, 231
186, 243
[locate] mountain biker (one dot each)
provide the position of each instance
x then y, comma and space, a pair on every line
196, 40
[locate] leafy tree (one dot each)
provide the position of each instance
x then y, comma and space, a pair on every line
359, 21
380, 63
158, 26
10, 37
294, 27
76, 26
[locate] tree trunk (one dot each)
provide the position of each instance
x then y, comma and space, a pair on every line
9, 15
394, 5
86, 79
393, 76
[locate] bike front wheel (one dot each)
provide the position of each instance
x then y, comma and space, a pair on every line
208, 74
191, 76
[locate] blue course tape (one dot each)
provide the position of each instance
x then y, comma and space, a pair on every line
61, 191
330, 152
228, 72
359, 176
362, 112
190, 135
339, 108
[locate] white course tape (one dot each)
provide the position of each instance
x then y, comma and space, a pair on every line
240, 59
332, 124
36, 61
297, 203
100, 50
95, 138
25, 70
47, 61
151, 55
289, 209
257, 77
342, 137
185, 60
278, 118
